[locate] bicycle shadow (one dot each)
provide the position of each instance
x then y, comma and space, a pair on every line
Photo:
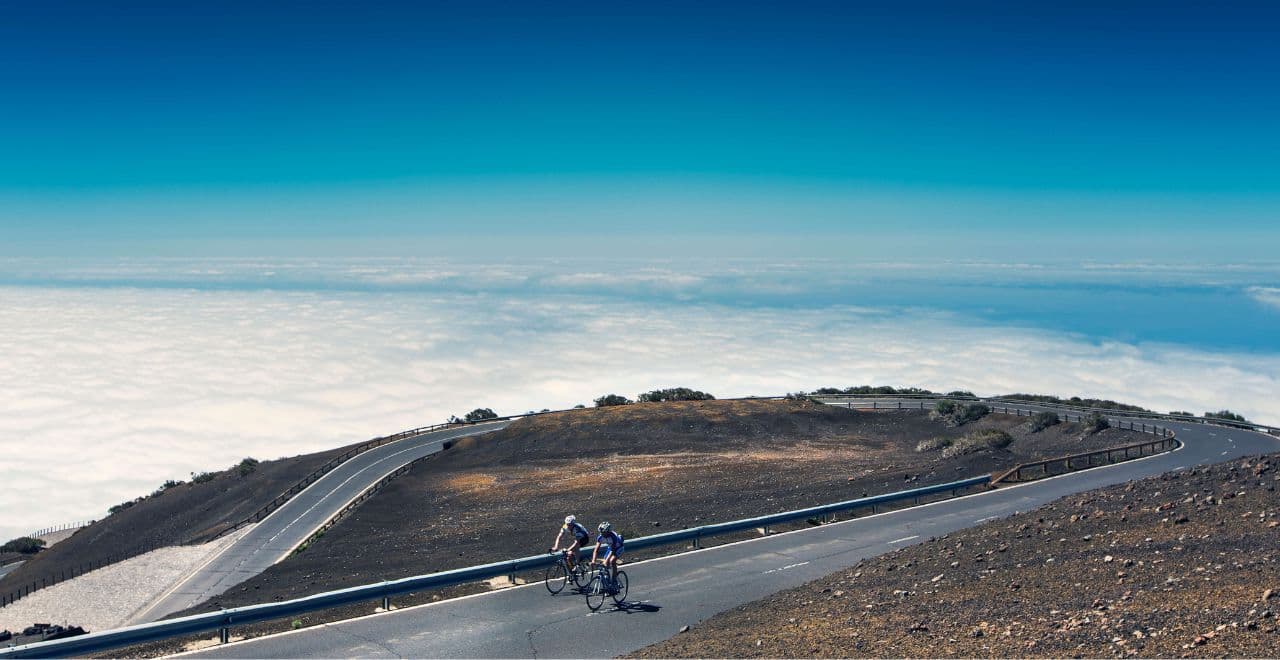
628, 607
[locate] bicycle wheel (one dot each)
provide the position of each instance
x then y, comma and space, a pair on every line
595, 593
557, 577
581, 575
620, 588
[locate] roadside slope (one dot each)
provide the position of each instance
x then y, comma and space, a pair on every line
183, 514
1185, 564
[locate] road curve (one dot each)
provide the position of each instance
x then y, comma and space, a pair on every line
678, 590
278, 534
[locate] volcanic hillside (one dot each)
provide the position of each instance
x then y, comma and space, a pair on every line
647, 468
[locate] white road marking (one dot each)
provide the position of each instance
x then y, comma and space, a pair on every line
905, 538
982, 520
775, 570
1224, 453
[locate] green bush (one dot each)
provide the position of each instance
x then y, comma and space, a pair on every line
958, 414
972, 413
871, 389
1075, 401
612, 400
978, 441
960, 393
933, 444
123, 505
1225, 414
479, 415
203, 477
674, 394
1183, 413
1095, 423
945, 407
246, 467
23, 544
1043, 420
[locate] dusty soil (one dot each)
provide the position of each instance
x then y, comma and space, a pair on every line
647, 468
1183, 565
184, 514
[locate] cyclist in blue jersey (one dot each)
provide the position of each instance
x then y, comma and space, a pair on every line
612, 543
577, 533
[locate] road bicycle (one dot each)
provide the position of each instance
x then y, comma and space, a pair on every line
560, 574
603, 585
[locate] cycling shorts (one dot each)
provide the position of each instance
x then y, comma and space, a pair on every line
609, 550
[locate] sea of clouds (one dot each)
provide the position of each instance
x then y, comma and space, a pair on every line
119, 376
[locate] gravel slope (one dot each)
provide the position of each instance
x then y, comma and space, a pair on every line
1187, 564
105, 598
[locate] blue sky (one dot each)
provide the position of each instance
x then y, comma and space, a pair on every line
293, 128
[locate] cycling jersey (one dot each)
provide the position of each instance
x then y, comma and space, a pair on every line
611, 539
578, 531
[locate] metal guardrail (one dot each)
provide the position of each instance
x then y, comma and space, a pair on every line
223, 620
58, 528
1164, 444
1115, 412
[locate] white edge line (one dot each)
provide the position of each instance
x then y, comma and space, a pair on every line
358, 495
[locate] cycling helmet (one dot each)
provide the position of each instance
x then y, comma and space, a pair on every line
568, 520
604, 527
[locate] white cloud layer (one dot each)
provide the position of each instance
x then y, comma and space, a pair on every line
110, 391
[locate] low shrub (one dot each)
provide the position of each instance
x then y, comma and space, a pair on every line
1095, 423
960, 393
933, 444
675, 394
958, 414
978, 441
203, 477
872, 389
1043, 420
246, 467
23, 544
479, 415
1075, 401
1225, 414
169, 483
1183, 413
612, 400
122, 506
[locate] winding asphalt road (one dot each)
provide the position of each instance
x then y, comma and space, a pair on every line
671, 592
286, 528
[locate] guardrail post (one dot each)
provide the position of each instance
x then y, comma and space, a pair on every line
696, 543
224, 635
386, 603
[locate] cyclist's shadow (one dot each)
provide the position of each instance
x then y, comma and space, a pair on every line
628, 607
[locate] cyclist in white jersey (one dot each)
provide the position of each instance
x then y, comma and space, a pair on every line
577, 533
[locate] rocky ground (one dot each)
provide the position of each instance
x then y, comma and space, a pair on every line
1183, 565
